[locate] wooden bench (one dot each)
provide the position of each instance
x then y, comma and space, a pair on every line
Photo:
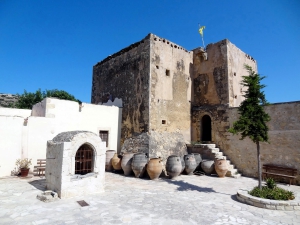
40, 168
279, 171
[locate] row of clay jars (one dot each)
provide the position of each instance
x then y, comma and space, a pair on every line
175, 165
138, 163
219, 166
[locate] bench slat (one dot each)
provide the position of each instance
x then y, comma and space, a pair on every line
278, 174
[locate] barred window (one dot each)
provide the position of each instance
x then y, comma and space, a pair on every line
84, 160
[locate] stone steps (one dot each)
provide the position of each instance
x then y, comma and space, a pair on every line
232, 171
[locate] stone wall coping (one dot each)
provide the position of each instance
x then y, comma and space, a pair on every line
244, 197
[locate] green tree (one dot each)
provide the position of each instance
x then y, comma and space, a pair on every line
253, 118
28, 99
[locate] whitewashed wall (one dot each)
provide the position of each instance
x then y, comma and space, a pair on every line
11, 129
52, 116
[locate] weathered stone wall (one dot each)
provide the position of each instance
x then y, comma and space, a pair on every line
218, 80
125, 75
236, 60
170, 92
210, 76
219, 123
7, 99
284, 137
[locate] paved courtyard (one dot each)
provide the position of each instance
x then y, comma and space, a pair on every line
128, 200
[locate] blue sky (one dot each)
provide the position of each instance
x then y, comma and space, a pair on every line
54, 44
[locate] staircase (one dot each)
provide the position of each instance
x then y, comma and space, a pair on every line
209, 151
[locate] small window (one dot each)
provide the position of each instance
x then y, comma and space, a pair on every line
157, 67
104, 136
163, 122
168, 73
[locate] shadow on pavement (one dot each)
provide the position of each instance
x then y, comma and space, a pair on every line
39, 184
183, 186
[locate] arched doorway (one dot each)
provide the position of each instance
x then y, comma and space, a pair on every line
84, 160
206, 128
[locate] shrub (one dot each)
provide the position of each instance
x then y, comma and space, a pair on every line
270, 182
274, 193
23, 163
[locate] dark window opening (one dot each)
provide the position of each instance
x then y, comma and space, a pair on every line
206, 128
167, 72
157, 67
163, 122
84, 160
104, 136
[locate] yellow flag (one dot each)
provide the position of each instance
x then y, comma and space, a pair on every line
201, 30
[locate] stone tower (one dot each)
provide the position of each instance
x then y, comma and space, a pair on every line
153, 78
166, 88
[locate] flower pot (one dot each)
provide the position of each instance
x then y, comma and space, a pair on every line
109, 156
154, 168
221, 167
24, 172
173, 166
138, 165
116, 162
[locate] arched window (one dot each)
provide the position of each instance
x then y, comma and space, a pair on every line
84, 160
206, 128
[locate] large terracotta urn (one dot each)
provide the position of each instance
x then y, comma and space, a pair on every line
139, 162
126, 163
221, 167
190, 164
154, 168
109, 156
173, 166
116, 162
208, 166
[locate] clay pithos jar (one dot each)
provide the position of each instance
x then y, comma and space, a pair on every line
154, 168
126, 163
139, 162
109, 156
221, 167
116, 162
182, 163
208, 166
173, 166
198, 159
190, 164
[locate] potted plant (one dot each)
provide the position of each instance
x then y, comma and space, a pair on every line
23, 165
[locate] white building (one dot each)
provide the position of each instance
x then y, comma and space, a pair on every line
24, 133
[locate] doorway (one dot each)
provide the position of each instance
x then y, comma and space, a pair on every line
206, 128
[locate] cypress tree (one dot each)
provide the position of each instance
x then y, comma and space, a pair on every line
253, 118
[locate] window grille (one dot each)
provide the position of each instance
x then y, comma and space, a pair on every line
84, 160
104, 136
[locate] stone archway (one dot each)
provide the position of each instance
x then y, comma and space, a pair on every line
206, 128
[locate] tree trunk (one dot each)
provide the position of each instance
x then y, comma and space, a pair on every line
259, 167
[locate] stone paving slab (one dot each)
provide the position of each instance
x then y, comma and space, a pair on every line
129, 200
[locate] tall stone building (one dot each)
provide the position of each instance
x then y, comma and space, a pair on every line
172, 96
162, 85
